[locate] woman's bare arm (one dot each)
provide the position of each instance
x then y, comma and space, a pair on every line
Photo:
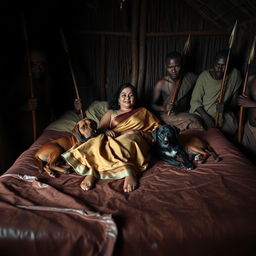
105, 124
105, 121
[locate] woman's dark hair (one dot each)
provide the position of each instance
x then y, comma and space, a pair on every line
113, 102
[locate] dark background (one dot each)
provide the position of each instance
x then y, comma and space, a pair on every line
102, 38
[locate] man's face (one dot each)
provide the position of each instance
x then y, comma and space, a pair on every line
173, 67
219, 67
38, 64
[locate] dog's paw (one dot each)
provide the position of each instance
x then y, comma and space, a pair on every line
190, 167
52, 174
217, 159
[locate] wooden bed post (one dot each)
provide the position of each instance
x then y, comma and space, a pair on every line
134, 42
142, 43
102, 68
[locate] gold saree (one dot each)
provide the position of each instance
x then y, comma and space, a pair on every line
115, 158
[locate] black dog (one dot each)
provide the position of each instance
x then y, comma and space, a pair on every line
168, 147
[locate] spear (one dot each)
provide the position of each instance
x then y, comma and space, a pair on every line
186, 48
29, 72
65, 46
223, 82
185, 51
241, 113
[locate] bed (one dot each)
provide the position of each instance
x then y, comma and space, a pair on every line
207, 211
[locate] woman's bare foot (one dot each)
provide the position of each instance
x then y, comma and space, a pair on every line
87, 182
130, 183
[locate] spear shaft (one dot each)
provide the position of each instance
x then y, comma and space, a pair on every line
241, 112
29, 72
65, 46
223, 82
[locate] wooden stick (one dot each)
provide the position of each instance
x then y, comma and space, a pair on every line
241, 112
65, 46
223, 82
29, 72
174, 95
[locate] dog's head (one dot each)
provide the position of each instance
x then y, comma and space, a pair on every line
166, 135
85, 129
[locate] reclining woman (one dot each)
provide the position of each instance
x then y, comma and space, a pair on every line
122, 148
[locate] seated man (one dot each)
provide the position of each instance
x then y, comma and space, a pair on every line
249, 102
206, 93
172, 93
22, 104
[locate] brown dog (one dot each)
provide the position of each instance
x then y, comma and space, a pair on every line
49, 153
197, 149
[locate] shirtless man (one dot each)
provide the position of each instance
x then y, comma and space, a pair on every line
164, 102
249, 102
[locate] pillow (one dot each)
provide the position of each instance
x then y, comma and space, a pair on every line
68, 120
96, 110
65, 123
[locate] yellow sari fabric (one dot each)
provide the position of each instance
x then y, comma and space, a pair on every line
115, 158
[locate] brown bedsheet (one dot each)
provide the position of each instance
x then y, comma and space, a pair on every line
207, 211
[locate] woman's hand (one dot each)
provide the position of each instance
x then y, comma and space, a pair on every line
111, 133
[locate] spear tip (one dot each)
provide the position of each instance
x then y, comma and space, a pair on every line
64, 43
186, 46
232, 36
252, 52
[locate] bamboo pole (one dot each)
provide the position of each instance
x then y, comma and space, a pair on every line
65, 46
241, 112
29, 73
223, 82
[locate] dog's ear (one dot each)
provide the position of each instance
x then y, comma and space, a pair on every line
77, 134
154, 133
76, 128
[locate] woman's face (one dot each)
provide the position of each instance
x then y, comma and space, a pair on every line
127, 98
